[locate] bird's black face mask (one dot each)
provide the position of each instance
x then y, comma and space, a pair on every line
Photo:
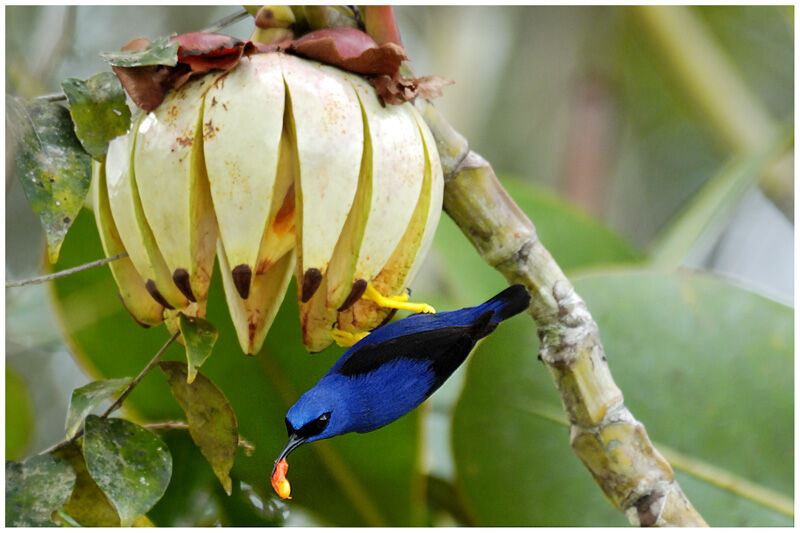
299, 436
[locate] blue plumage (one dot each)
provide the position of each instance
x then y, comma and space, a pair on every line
394, 369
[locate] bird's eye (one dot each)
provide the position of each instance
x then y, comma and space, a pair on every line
322, 421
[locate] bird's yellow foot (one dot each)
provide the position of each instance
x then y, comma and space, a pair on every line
395, 302
345, 338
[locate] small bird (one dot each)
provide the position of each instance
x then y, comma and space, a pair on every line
390, 372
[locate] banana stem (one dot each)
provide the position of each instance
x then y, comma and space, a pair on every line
610, 442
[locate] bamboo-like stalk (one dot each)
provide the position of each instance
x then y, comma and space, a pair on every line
610, 442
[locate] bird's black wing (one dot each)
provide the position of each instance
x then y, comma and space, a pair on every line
446, 348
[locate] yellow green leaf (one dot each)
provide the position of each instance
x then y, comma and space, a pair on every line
212, 422
199, 336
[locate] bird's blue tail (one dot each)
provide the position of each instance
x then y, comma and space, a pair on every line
508, 303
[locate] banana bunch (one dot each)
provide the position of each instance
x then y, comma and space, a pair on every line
280, 165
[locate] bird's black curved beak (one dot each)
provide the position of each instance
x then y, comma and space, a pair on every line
294, 442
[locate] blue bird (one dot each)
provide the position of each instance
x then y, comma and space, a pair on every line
394, 369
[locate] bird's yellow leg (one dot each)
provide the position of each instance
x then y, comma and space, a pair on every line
395, 302
347, 339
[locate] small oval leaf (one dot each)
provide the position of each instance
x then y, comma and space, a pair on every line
35, 488
87, 505
131, 465
212, 422
99, 111
54, 170
199, 336
85, 399
162, 51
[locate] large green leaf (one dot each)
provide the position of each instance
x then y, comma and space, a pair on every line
98, 109
19, 415
575, 240
131, 465
54, 170
705, 366
351, 480
35, 488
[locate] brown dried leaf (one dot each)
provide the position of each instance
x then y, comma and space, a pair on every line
396, 89
146, 85
198, 53
350, 49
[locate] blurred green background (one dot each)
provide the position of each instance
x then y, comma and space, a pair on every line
633, 138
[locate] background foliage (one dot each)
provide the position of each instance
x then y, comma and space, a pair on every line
578, 103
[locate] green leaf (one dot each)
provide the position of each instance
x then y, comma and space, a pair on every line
87, 504
574, 239
707, 368
35, 488
54, 171
199, 336
212, 422
351, 480
159, 52
131, 465
98, 110
85, 399
19, 415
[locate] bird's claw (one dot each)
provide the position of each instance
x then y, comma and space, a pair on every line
395, 302
345, 338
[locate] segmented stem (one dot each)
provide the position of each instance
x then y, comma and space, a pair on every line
610, 442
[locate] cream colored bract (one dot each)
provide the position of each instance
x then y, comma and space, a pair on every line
281, 164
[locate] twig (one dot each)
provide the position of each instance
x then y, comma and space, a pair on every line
67, 272
248, 447
114, 406
167, 425
52, 97
610, 442
226, 21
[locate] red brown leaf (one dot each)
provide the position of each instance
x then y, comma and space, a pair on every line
206, 44
145, 85
350, 49
198, 53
